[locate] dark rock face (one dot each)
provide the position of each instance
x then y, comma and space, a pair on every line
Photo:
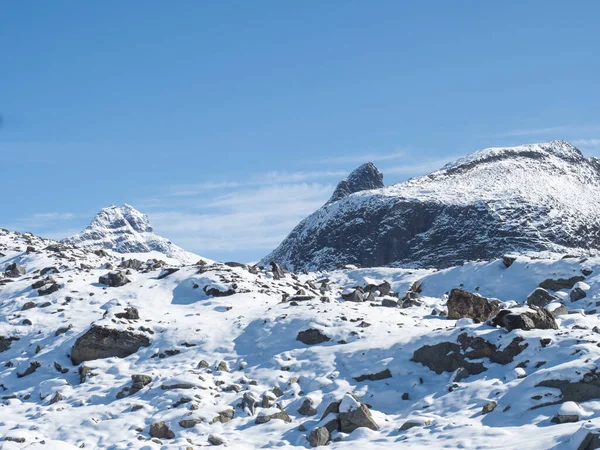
363, 178
586, 389
561, 283
49, 290
528, 320
540, 298
508, 260
99, 342
114, 279
355, 296
6, 342
375, 376
416, 223
14, 270
475, 347
463, 304
214, 291
278, 272
312, 336
445, 357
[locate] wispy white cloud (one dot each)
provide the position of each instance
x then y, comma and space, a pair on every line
365, 157
252, 219
587, 144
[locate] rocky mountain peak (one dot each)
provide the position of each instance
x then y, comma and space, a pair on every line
363, 178
123, 217
530, 198
124, 229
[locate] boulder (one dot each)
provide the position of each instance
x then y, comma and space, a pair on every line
134, 264
48, 271
445, 357
319, 436
100, 342
130, 313
355, 295
166, 272
269, 414
540, 297
114, 279
577, 294
307, 408
160, 430
561, 283
489, 407
583, 390
508, 260
219, 291
49, 290
312, 336
525, 319
463, 304
14, 270
382, 375
278, 272
354, 414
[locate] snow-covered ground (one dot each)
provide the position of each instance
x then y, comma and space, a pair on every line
255, 333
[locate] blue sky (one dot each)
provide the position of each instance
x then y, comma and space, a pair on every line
227, 122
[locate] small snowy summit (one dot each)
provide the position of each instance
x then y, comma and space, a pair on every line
126, 230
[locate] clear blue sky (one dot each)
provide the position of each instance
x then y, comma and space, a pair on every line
229, 121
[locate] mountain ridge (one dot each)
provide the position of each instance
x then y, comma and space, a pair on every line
528, 198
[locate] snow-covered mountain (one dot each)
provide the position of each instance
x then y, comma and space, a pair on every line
531, 198
126, 230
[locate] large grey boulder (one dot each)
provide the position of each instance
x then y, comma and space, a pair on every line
160, 430
312, 336
540, 297
462, 304
525, 319
354, 414
561, 283
318, 436
114, 279
100, 342
14, 270
446, 357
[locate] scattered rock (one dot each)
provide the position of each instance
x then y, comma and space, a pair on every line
527, 319
278, 272
222, 367
14, 270
268, 415
224, 416
489, 407
215, 440
561, 283
508, 260
307, 408
33, 366
189, 423
463, 304
355, 295
354, 414
312, 336
445, 357
414, 423
130, 313
166, 272
160, 430
540, 297
100, 342
319, 436
114, 279
577, 294
28, 305
374, 376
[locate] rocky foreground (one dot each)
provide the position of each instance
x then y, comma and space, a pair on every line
107, 350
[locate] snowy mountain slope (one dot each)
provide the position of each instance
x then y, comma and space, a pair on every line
126, 230
214, 313
531, 198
